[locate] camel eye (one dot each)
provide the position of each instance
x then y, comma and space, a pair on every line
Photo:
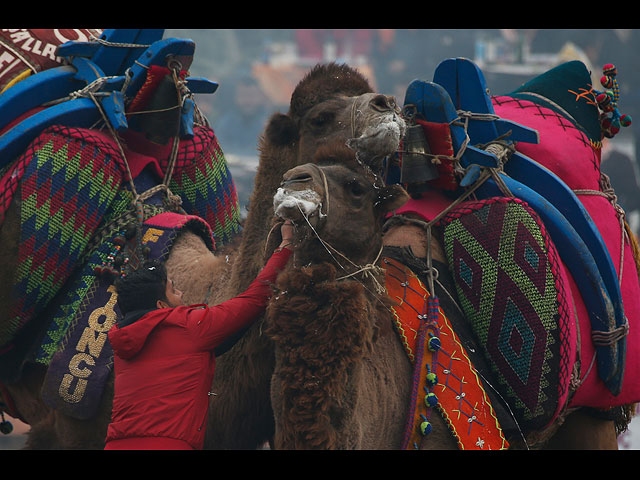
356, 188
321, 119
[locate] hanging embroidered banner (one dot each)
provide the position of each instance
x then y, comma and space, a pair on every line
83, 358
69, 182
444, 377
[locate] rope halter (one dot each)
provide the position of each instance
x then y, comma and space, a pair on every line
368, 271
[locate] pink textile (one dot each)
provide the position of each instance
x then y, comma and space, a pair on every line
428, 206
567, 152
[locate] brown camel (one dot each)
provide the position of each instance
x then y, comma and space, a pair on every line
340, 367
331, 104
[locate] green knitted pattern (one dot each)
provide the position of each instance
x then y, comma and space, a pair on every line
203, 181
506, 284
66, 188
76, 288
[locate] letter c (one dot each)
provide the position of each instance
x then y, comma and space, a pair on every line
74, 365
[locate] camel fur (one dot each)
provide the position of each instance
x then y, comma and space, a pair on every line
341, 378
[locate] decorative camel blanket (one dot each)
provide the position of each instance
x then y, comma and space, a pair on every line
444, 376
513, 290
544, 355
573, 153
71, 184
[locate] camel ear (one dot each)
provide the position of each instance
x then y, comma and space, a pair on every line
391, 197
281, 130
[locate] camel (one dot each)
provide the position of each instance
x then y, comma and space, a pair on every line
339, 364
245, 383
578, 425
332, 104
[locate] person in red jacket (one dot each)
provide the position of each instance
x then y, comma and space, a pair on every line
164, 355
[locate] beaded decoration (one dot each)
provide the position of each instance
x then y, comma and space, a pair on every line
610, 118
444, 377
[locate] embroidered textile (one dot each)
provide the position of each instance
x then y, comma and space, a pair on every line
461, 398
571, 151
83, 359
66, 186
71, 183
506, 272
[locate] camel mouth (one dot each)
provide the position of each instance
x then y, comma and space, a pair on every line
299, 206
381, 139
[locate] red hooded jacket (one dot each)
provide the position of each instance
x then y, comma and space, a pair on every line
164, 365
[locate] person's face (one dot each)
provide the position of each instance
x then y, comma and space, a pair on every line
173, 296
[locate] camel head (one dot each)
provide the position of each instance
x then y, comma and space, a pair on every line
336, 202
335, 104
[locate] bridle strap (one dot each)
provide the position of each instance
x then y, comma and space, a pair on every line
325, 185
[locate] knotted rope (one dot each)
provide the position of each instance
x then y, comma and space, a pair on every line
107, 43
498, 147
369, 270
611, 337
607, 339
609, 193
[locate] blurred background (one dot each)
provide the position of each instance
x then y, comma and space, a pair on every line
257, 69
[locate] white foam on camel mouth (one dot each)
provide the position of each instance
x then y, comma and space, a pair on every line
383, 138
307, 201
389, 128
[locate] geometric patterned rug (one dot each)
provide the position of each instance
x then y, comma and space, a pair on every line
509, 284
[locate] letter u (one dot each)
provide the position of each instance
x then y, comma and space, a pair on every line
78, 391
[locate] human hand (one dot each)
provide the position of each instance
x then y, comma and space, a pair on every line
286, 231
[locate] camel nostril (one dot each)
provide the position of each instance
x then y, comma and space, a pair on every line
300, 178
383, 103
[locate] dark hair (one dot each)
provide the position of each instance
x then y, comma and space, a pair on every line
142, 288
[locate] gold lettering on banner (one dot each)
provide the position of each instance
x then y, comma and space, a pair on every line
78, 391
76, 361
93, 340
152, 235
89, 348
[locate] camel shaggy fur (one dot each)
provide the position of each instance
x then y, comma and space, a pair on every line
339, 365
